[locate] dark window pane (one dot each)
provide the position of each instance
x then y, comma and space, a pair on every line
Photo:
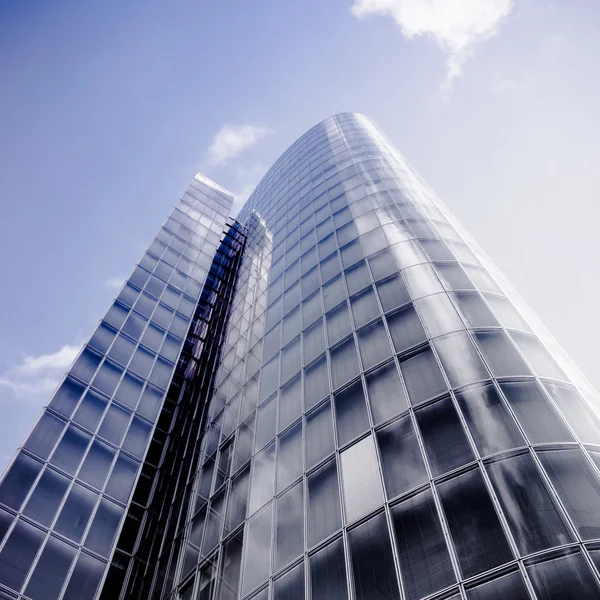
70, 449
424, 560
392, 293
578, 488
405, 328
122, 477
351, 413
42, 439
49, 574
66, 397
231, 567
104, 527
344, 363
107, 378
564, 578
319, 435
129, 390
291, 585
539, 420
501, 356
290, 526
357, 277
137, 437
96, 464
527, 504
508, 586
478, 537
238, 497
402, 463
324, 516
372, 561
364, 307
75, 513
48, 494
114, 424
338, 324
85, 578
316, 383
328, 573
386, 394
445, 441
150, 403
256, 560
314, 342
577, 411
90, 410
85, 366
18, 553
360, 479
489, 421
263, 473
422, 376
289, 458
18, 480
373, 344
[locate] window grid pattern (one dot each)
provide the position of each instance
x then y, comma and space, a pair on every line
65, 495
385, 342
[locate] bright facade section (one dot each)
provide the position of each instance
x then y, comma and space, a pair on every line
387, 420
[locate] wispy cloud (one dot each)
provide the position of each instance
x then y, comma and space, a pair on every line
231, 140
456, 25
114, 283
35, 377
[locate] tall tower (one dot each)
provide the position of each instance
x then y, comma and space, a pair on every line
336, 396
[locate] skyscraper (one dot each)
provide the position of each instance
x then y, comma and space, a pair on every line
334, 396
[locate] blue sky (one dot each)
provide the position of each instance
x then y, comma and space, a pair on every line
108, 109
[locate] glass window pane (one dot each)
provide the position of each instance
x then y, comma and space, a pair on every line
19, 480
539, 420
373, 344
357, 277
508, 586
104, 527
103, 336
478, 537
70, 449
422, 281
460, 359
265, 423
90, 410
405, 328
564, 578
316, 383
424, 560
66, 397
319, 435
445, 441
482, 279
360, 479
114, 424
422, 376
289, 457
372, 560
122, 478
392, 293
291, 585
501, 356
263, 473
489, 421
439, 315
269, 379
344, 363
290, 402
578, 488
577, 411
538, 357
334, 292
402, 462
18, 553
351, 413
474, 310
129, 390
505, 311
85, 578
382, 264
324, 515
85, 366
290, 526
311, 309
47, 496
151, 402
49, 574
75, 513
137, 437
527, 504
364, 307
256, 561
386, 394
231, 568
42, 439
314, 342
328, 573
122, 349
453, 277
238, 498
96, 464
338, 324
291, 360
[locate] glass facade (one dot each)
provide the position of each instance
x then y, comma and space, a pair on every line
336, 396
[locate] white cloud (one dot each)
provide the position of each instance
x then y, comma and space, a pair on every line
35, 377
231, 140
114, 283
456, 25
